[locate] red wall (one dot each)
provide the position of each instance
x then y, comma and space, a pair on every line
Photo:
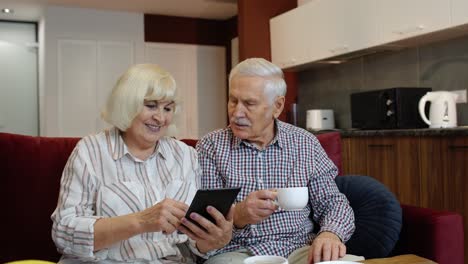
254, 36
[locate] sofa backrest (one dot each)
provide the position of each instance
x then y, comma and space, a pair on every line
31, 168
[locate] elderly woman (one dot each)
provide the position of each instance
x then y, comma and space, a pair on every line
124, 192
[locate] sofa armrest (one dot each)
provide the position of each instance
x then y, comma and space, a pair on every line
436, 235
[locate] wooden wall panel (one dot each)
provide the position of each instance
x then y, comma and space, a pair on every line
254, 37
186, 30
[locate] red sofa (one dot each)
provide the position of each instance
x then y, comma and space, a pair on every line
31, 168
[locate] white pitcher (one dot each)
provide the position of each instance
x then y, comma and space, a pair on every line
443, 112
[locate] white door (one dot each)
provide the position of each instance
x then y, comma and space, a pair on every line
87, 72
200, 74
18, 75
113, 59
212, 94
180, 61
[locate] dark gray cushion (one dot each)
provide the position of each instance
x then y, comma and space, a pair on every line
377, 213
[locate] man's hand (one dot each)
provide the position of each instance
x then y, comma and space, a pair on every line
256, 207
212, 235
325, 247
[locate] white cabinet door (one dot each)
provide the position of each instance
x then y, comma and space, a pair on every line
321, 29
353, 25
459, 12
402, 19
288, 33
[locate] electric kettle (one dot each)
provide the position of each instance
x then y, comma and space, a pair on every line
442, 113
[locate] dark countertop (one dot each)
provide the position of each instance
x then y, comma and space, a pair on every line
458, 131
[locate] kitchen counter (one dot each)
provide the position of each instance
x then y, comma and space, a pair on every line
458, 131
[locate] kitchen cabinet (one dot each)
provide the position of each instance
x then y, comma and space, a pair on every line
347, 26
321, 29
400, 19
425, 171
444, 172
391, 161
459, 9
326, 29
354, 155
287, 39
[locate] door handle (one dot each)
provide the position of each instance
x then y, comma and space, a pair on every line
409, 30
454, 147
380, 145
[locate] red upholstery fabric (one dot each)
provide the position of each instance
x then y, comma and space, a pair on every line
331, 143
422, 226
31, 168
30, 171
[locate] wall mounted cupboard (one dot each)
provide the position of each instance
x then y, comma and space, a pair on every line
331, 29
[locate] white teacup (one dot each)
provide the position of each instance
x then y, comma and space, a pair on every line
294, 198
267, 259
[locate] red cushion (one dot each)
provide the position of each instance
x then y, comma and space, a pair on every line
331, 143
436, 235
31, 170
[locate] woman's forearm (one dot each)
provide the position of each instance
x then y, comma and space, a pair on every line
108, 231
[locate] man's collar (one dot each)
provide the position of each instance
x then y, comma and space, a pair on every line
277, 139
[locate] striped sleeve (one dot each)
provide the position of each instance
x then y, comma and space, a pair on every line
74, 217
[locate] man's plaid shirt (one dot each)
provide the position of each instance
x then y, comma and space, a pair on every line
294, 158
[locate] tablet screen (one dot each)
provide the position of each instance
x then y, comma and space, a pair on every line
221, 199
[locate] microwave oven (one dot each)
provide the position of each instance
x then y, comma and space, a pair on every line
388, 108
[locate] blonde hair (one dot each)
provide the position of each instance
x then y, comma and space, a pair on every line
139, 83
259, 67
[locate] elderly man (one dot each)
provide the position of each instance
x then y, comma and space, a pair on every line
260, 153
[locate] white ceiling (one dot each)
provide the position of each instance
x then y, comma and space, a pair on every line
31, 10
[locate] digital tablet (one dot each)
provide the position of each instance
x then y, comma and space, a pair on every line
221, 199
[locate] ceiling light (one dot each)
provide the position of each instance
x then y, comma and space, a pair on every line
7, 10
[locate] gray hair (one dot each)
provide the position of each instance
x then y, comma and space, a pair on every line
139, 83
259, 67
